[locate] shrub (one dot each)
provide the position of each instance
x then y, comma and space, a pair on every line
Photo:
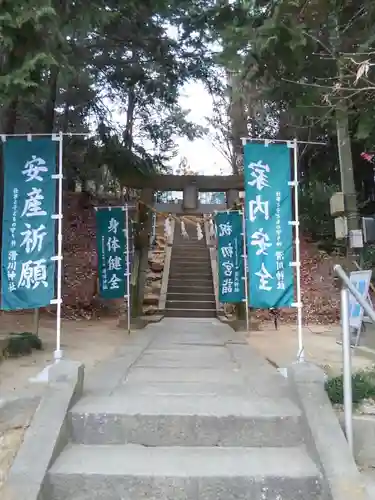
363, 387
21, 344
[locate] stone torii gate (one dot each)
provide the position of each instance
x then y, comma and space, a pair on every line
190, 185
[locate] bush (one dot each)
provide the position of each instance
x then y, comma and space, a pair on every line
21, 344
363, 387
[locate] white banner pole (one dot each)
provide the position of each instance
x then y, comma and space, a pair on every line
58, 354
245, 270
301, 349
127, 265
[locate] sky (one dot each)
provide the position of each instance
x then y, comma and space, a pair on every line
201, 155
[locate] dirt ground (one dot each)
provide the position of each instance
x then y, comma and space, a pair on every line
281, 347
86, 341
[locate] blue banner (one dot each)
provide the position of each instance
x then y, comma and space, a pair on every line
230, 257
111, 245
28, 271
267, 172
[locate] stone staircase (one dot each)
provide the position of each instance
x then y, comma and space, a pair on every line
190, 288
186, 412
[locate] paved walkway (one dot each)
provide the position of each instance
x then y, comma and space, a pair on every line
178, 356
187, 410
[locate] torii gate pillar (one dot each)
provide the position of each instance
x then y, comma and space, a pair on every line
190, 199
232, 197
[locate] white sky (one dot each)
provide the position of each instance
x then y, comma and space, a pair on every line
201, 155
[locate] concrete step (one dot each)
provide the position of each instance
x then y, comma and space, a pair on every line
191, 256
134, 473
189, 313
187, 255
191, 304
188, 280
187, 269
190, 250
186, 273
197, 420
178, 287
191, 246
199, 262
209, 296
197, 266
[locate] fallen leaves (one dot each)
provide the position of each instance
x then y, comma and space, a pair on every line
319, 295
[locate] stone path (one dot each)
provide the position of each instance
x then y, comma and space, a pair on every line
186, 411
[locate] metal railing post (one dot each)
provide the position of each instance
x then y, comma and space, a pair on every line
347, 366
347, 287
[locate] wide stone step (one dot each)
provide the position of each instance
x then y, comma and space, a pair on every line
189, 279
190, 256
199, 280
133, 472
177, 259
185, 273
175, 420
191, 304
191, 270
185, 270
178, 287
193, 244
189, 313
188, 296
198, 266
204, 267
187, 257
189, 250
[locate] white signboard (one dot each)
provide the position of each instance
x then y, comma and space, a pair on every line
361, 281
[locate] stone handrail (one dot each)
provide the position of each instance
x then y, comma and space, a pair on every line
167, 264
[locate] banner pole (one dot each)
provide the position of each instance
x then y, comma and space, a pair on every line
127, 265
301, 349
58, 354
245, 271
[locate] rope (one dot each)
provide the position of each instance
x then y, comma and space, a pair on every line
181, 218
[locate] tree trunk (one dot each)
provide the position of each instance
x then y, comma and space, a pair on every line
11, 117
238, 121
49, 113
128, 133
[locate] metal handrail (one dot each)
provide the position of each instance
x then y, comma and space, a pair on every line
353, 290
347, 287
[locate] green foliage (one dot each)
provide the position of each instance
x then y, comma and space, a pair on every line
79, 66
295, 62
369, 257
23, 26
21, 344
363, 387
315, 214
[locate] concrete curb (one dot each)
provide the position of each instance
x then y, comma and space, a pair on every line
363, 438
213, 256
327, 441
167, 265
215, 280
47, 435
